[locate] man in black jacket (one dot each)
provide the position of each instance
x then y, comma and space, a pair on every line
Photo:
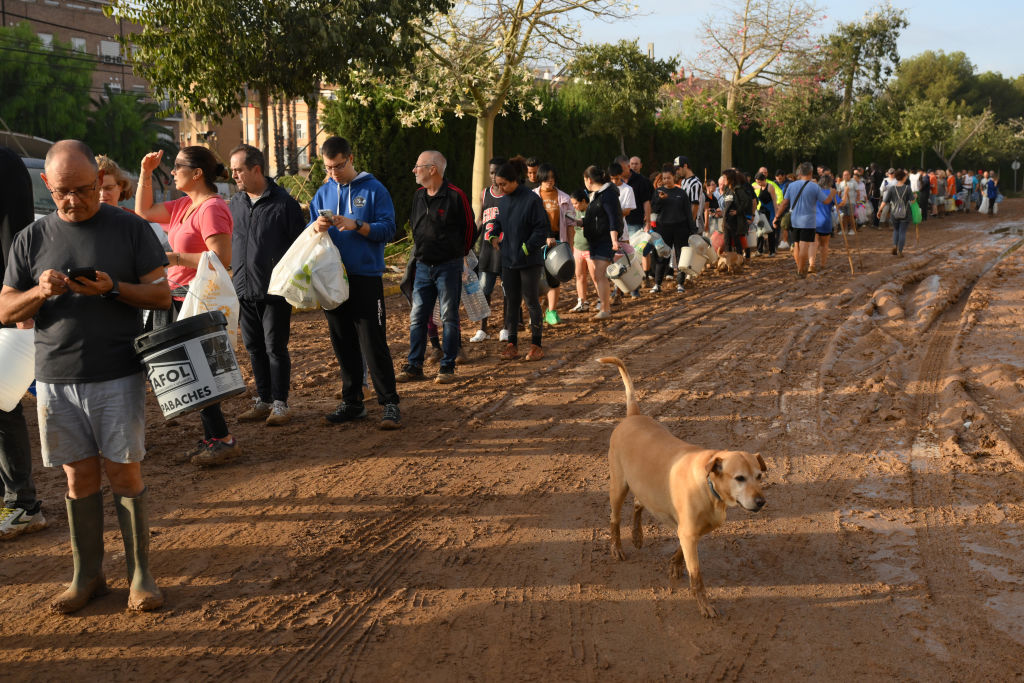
22, 511
442, 233
267, 220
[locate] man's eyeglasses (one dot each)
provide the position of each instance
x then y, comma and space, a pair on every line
422, 166
330, 168
78, 192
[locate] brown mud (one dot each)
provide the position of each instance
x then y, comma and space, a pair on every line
472, 544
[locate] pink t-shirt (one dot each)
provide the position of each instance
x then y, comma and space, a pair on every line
188, 236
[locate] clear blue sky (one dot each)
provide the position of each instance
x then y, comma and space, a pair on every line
990, 32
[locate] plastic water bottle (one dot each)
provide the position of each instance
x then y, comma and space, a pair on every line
473, 296
659, 245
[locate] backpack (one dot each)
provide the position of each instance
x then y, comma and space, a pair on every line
899, 205
595, 222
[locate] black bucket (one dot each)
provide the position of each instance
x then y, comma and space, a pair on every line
191, 363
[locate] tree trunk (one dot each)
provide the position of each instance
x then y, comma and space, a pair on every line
845, 154
278, 141
264, 138
483, 150
293, 148
312, 123
727, 132
622, 144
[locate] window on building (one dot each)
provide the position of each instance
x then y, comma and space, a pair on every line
78, 44
250, 133
110, 51
47, 40
300, 130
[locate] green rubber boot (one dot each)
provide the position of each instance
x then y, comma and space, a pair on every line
143, 593
85, 518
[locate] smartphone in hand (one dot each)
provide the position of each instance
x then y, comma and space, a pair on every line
78, 274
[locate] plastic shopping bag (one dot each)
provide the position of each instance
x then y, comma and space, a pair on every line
211, 290
983, 207
311, 273
915, 212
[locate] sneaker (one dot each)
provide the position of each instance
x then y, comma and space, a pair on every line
511, 352
279, 414
410, 373
217, 453
503, 336
16, 521
200, 446
635, 294
260, 411
655, 289
435, 354
392, 417
346, 412
535, 353
445, 376
552, 317
479, 336
580, 306
851, 232
602, 315
680, 288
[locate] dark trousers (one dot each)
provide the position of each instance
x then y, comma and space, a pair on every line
875, 202
519, 284
266, 327
212, 417
487, 282
16, 461
922, 201
676, 236
358, 328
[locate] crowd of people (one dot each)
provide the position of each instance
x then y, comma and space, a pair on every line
88, 278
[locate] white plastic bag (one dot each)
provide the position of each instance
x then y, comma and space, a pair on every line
311, 273
212, 290
983, 208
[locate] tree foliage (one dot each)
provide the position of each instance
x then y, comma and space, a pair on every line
755, 43
620, 84
45, 90
125, 127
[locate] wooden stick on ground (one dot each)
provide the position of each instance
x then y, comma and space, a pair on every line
846, 243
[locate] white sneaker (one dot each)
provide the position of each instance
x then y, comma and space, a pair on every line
479, 336
580, 306
279, 414
16, 521
655, 289
851, 232
503, 336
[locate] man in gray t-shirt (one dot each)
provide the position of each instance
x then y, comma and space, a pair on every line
83, 273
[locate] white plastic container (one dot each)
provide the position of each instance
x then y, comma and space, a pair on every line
626, 272
691, 261
18, 359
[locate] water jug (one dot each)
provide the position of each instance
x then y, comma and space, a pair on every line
18, 359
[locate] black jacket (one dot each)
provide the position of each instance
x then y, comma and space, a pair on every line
442, 225
263, 231
673, 208
521, 221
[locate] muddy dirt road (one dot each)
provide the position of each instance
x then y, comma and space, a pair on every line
472, 545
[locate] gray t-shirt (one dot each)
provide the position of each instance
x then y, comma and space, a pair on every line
85, 338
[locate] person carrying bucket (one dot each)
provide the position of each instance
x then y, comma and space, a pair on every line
558, 207
198, 222
83, 272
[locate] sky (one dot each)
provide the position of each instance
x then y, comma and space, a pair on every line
988, 32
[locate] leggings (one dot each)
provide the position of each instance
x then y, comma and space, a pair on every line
519, 284
675, 236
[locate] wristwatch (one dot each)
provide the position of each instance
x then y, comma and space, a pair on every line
114, 290
359, 225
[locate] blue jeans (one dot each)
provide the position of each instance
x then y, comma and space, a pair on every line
432, 283
899, 232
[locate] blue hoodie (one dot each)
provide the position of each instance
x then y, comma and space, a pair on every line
364, 199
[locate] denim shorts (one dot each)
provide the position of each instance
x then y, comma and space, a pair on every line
601, 250
80, 421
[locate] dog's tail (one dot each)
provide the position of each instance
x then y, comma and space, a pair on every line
632, 407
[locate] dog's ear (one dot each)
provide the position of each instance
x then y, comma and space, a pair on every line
714, 465
760, 461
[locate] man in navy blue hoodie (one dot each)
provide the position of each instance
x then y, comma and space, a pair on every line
357, 212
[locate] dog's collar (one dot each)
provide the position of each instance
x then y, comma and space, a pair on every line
713, 491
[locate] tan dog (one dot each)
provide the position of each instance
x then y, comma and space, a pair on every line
730, 261
685, 486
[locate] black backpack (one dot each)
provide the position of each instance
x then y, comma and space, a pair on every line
595, 222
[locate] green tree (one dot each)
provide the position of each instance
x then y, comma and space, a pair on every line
474, 62
208, 54
754, 45
620, 84
863, 56
933, 76
124, 126
45, 89
798, 119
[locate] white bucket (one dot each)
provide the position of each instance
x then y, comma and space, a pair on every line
691, 261
191, 363
752, 237
702, 247
18, 359
626, 273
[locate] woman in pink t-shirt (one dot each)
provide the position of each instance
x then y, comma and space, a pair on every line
200, 221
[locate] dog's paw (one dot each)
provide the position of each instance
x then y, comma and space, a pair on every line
676, 571
638, 538
616, 552
707, 610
